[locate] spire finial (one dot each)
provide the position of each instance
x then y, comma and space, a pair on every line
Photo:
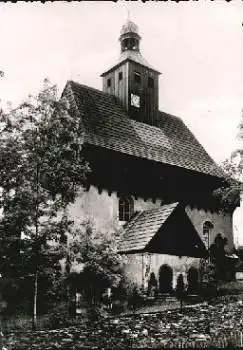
128, 15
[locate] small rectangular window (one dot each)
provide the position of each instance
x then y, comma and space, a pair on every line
150, 82
120, 76
109, 82
137, 77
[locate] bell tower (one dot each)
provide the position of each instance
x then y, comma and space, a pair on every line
132, 79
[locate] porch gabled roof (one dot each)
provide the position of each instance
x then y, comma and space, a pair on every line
163, 230
143, 227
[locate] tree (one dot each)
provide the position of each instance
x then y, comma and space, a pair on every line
192, 280
229, 193
224, 267
152, 285
41, 172
180, 289
102, 267
217, 268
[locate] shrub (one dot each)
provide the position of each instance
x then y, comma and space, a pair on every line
59, 317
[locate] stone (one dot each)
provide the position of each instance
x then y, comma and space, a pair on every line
144, 332
134, 335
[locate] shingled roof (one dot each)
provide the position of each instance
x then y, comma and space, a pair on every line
142, 228
129, 55
163, 230
106, 125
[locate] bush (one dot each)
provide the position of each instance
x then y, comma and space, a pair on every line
230, 288
180, 287
152, 285
135, 299
94, 313
208, 291
123, 289
119, 306
59, 318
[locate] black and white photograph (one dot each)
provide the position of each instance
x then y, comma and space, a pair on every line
121, 169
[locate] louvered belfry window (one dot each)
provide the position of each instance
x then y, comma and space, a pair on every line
150, 82
137, 77
120, 76
126, 208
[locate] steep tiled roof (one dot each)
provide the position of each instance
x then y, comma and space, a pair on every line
134, 56
106, 125
143, 228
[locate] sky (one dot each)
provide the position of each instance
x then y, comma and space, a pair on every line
196, 45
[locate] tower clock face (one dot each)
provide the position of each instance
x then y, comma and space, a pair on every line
135, 100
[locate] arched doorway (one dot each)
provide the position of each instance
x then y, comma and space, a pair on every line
192, 280
165, 279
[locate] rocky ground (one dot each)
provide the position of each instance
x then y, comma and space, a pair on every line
201, 326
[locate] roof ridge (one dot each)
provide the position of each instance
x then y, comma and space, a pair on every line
111, 97
159, 208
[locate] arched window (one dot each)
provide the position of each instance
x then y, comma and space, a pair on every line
126, 208
207, 228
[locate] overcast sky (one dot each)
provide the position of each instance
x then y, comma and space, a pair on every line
196, 45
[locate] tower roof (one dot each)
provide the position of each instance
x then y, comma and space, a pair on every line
130, 55
129, 27
130, 38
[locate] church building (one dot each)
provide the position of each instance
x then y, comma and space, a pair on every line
149, 174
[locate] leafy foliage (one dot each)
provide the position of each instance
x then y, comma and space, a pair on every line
152, 285
229, 193
102, 267
217, 269
41, 173
224, 267
180, 289
180, 286
192, 280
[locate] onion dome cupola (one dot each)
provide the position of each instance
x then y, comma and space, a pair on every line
132, 79
129, 38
